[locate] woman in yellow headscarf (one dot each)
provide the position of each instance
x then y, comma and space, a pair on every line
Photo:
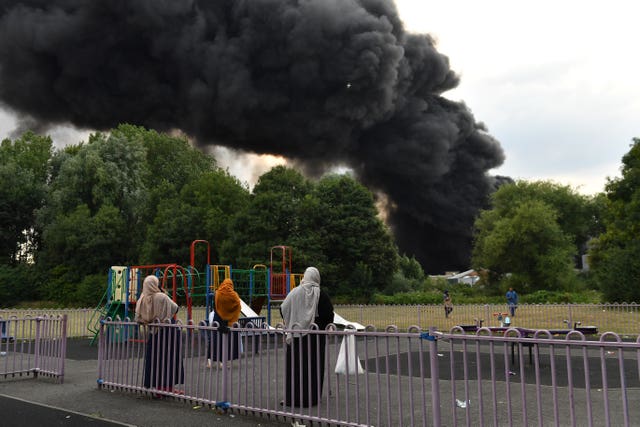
225, 313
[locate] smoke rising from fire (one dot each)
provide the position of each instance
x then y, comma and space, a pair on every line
320, 82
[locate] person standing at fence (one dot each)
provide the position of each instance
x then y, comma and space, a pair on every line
304, 305
448, 304
226, 312
512, 301
162, 360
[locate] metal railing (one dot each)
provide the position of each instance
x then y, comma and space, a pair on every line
383, 377
77, 318
623, 319
33, 346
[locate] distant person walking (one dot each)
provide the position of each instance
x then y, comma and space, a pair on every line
512, 301
448, 304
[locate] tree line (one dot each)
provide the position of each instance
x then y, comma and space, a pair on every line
133, 196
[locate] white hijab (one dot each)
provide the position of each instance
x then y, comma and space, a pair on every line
300, 307
153, 303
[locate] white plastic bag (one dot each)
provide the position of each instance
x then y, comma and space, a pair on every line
348, 347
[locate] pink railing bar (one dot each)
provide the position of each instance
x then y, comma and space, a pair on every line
50, 346
621, 318
435, 375
33, 346
521, 377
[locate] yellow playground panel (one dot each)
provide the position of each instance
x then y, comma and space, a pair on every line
295, 279
218, 274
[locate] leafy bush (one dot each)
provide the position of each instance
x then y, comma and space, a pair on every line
560, 297
461, 294
401, 284
16, 284
90, 290
405, 298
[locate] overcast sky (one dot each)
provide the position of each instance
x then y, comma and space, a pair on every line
556, 82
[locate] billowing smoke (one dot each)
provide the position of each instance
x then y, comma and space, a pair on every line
321, 82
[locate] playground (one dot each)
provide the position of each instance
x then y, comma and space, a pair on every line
260, 288
403, 378
397, 378
407, 373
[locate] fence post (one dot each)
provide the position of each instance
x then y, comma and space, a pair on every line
487, 314
101, 350
435, 375
63, 350
36, 358
223, 403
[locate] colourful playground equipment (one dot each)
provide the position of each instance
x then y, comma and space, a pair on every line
125, 286
257, 286
281, 279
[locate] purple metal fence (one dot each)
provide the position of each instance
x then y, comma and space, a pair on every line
33, 346
621, 318
529, 377
386, 377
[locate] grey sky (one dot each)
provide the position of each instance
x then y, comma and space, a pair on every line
555, 82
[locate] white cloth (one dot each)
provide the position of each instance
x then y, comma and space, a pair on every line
300, 307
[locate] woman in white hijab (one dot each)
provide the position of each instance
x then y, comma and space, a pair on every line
305, 305
154, 304
163, 361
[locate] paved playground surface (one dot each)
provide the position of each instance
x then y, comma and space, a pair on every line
78, 401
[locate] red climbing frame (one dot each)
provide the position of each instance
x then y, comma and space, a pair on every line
279, 269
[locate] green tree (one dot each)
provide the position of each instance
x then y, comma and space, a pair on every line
100, 181
269, 219
615, 254
577, 215
17, 283
141, 173
202, 211
410, 268
409, 277
80, 244
171, 163
527, 247
340, 232
24, 170
106, 195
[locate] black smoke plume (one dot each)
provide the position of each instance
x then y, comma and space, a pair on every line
322, 82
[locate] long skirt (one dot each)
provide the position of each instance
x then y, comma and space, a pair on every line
163, 359
216, 339
304, 375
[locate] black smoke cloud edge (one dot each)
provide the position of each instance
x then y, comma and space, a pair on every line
321, 82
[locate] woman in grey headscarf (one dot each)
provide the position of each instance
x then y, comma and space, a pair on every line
163, 361
305, 305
